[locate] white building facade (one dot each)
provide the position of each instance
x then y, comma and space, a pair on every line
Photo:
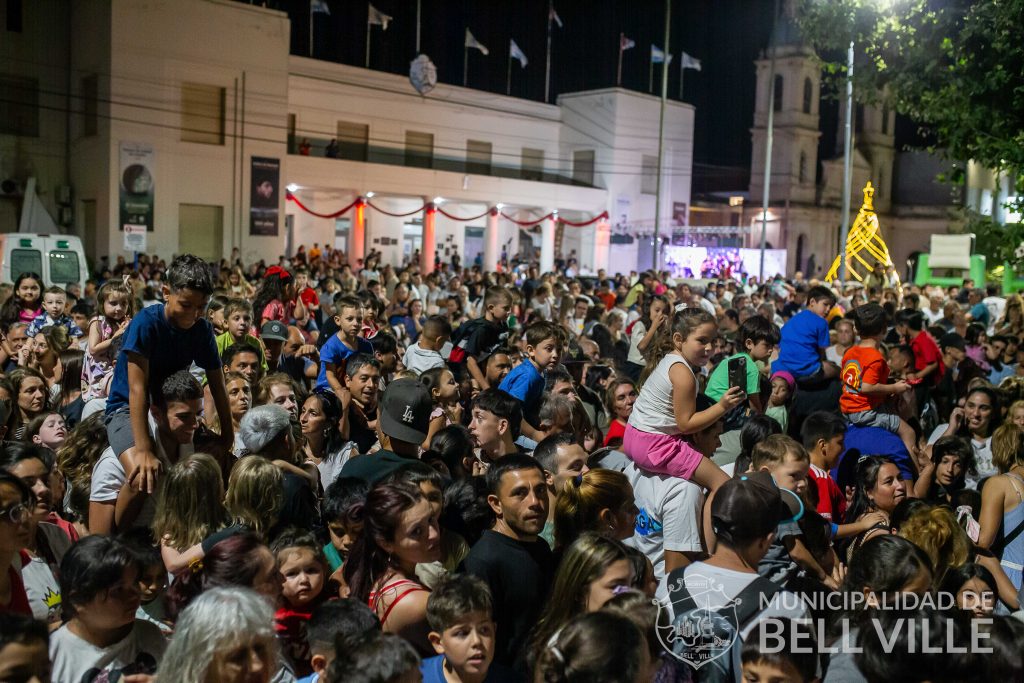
195, 90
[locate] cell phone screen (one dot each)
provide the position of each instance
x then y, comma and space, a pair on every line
738, 373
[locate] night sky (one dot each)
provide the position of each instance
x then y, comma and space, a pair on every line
726, 35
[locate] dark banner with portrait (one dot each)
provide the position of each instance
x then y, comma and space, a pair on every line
264, 204
136, 185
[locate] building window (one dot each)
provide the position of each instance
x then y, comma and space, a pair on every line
19, 106
532, 164
803, 168
478, 157
353, 140
583, 167
777, 105
419, 149
808, 95
90, 105
649, 174
14, 18
885, 120
202, 113
293, 145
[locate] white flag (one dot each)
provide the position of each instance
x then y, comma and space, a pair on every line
625, 43
690, 63
319, 7
516, 53
553, 16
658, 55
474, 43
378, 18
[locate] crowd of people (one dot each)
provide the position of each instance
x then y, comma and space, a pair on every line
317, 470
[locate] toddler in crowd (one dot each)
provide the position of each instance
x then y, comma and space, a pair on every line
783, 388
666, 412
343, 517
865, 377
303, 569
54, 302
444, 391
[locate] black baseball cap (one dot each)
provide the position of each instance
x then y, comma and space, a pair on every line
952, 340
405, 410
753, 496
274, 330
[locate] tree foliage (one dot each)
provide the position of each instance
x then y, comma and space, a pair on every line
954, 66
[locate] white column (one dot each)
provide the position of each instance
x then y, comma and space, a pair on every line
427, 253
602, 242
547, 245
491, 241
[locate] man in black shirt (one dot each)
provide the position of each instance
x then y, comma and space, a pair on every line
511, 557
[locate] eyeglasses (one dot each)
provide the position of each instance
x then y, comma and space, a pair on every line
16, 514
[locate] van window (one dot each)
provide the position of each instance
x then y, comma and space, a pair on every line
64, 266
26, 261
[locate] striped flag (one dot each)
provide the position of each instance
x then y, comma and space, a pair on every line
378, 18
516, 53
625, 43
471, 41
658, 55
553, 16
689, 62
319, 7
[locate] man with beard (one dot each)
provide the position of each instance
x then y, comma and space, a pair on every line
511, 558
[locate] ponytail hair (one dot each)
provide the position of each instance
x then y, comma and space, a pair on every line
598, 647
581, 500
684, 322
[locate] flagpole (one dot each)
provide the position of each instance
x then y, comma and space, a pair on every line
418, 26
508, 76
465, 65
650, 75
547, 68
310, 28
769, 135
661, 136
618, 78
682, 73
368, 25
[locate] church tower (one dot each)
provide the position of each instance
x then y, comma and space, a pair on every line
797, 85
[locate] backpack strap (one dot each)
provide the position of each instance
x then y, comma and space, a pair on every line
750, 599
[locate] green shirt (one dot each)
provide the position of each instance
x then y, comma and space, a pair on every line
224, 340
718, 383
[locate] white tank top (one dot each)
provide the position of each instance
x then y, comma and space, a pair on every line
653, 411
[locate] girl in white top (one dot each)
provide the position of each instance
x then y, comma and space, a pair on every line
666, 410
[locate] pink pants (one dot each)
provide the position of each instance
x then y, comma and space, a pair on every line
661, 453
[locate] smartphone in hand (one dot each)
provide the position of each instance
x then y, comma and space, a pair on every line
738, 372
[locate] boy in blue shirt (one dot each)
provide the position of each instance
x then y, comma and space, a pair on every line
804, 340
341, 345
462, 632
544, 341
160, 341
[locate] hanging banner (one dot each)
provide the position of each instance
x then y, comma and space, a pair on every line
136, 185
264, 202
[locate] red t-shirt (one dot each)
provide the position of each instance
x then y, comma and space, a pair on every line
862, 365
309, 299
615, 430
926, 352
831, 501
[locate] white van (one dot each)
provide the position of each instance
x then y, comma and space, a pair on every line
58, 259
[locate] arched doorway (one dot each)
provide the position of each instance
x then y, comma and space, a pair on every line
798, 264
